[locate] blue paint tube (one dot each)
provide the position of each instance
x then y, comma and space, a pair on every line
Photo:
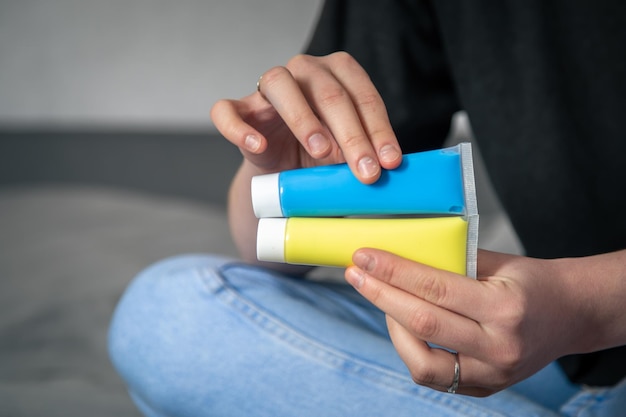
438, 182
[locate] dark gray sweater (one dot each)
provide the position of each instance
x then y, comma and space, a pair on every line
544, 85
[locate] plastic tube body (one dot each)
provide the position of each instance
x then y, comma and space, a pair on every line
439, 241
426, 210
430, 182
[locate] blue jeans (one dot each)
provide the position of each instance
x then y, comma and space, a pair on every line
202, 335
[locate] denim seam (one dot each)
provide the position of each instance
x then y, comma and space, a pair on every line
324, 354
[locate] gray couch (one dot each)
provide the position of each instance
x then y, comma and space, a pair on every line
80, 215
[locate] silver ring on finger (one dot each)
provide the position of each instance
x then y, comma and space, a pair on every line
258, 86
457, 374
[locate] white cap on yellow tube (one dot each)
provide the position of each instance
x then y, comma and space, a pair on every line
270, 239
266, 196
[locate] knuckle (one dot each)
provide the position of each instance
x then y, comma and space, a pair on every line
432, 289
512, 358
352, 141
383, 133
500, 381
218, 108
424, 324
222, 105
369, 102
226, 119
376, 294
423, 375
343, 58
387, 271
299, 121
331, 96
513, 313
274, 74
346, 62
509, 358
299, 61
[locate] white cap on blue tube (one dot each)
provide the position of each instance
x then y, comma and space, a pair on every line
270, 239
266, 196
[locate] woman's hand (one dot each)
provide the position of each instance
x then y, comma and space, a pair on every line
314, 110
520, 314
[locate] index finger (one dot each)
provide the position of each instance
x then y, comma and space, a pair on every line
457, 293
344, 97
370, 108
423, 319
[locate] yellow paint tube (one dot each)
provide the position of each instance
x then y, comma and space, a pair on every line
441, 242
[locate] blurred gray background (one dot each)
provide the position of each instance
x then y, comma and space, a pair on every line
139, 63
118, 93
109, 162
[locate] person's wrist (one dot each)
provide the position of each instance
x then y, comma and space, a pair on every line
250, 170
595, 288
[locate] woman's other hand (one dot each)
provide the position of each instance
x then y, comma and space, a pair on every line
313, 111
517, 317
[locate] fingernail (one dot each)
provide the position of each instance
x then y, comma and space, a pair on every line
368, 167
252, 143
364, 261
389, 153
318, 144
355, 277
